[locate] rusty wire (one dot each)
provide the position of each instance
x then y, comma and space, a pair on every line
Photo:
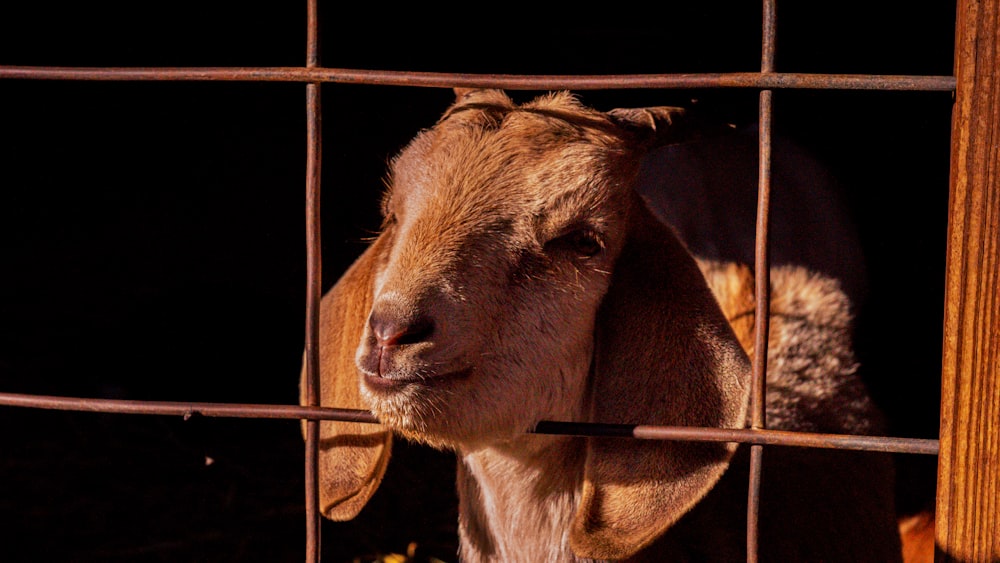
762, 285
314, 285
770, 80
644, 432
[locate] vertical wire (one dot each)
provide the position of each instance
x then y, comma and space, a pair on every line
313, 285
762, 282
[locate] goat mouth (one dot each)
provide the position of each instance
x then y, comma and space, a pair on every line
378, 382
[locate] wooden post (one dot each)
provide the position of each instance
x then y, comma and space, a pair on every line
968, 495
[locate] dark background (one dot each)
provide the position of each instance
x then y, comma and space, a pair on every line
152, 239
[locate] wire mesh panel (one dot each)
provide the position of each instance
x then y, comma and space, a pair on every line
764, 83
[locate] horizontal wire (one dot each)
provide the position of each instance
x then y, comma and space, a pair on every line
640, 431
770, 80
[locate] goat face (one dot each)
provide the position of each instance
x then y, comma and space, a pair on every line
502, 225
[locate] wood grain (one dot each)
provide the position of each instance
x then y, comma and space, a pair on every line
968, 497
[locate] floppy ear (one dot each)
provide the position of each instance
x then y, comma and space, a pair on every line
352, 456
664, 355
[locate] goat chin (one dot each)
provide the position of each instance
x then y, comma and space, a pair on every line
521, 276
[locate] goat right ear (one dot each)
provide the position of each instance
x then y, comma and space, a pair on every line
664, 355
353, 456
655, 126
666, 125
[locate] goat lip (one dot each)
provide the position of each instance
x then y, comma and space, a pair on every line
379, 382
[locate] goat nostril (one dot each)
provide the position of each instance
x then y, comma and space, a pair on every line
397, 332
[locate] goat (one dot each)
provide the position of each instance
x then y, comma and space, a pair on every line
520, 277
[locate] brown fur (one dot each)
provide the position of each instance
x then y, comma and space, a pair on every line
519, 278
917, 531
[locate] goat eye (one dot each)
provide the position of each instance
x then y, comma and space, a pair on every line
582, 242
585, 243
388, 220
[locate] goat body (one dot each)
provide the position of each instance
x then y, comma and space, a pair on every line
520, 277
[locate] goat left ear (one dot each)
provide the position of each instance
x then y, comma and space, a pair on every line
664, 355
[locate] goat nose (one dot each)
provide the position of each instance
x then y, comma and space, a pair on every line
389, 330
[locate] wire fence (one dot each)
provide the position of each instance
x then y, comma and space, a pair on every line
313, 75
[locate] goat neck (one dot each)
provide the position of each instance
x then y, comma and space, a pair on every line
532, 483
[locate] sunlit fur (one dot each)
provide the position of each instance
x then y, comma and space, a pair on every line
469, 228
